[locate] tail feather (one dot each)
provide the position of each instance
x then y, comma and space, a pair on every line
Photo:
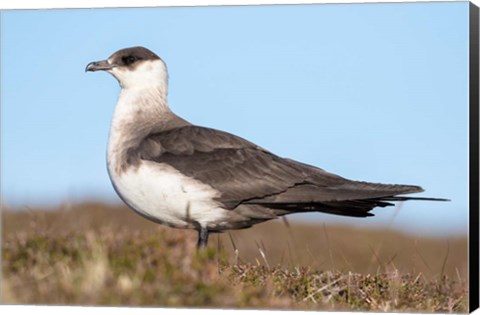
405, 198
350, 198
351, 208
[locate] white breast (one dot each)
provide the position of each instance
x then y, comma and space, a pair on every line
161, 193
155, 190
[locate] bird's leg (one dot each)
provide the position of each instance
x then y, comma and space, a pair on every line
202, 237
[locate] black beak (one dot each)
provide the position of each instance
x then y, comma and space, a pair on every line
99, 65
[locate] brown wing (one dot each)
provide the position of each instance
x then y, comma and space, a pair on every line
247, 174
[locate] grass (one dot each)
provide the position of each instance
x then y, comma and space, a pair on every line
92, 254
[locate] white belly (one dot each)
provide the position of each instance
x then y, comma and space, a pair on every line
161, 193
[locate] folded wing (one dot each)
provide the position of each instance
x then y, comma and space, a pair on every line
246, 174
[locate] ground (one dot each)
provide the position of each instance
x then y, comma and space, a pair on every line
95, 254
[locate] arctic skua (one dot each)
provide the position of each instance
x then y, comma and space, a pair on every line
186, 176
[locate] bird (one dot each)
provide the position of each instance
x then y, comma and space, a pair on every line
186, 176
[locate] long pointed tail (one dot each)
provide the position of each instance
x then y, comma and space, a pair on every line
404, 198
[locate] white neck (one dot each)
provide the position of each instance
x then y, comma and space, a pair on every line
139, 112
142, 102
148, 75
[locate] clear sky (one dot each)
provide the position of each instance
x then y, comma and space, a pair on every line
373, 92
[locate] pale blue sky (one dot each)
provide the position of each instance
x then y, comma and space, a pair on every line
373, 92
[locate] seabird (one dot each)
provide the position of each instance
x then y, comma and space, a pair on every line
186, 176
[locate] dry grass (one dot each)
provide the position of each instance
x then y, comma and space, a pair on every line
93, 254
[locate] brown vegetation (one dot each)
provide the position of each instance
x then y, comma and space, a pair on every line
107, 255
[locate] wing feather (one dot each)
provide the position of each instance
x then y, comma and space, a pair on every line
245, 173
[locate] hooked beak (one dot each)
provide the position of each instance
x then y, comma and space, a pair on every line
99, 65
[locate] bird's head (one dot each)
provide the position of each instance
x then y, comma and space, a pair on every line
134, 68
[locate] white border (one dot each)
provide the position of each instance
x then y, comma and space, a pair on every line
71, 4
83, 310
56, 4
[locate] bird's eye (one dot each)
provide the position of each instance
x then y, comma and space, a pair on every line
128, 60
